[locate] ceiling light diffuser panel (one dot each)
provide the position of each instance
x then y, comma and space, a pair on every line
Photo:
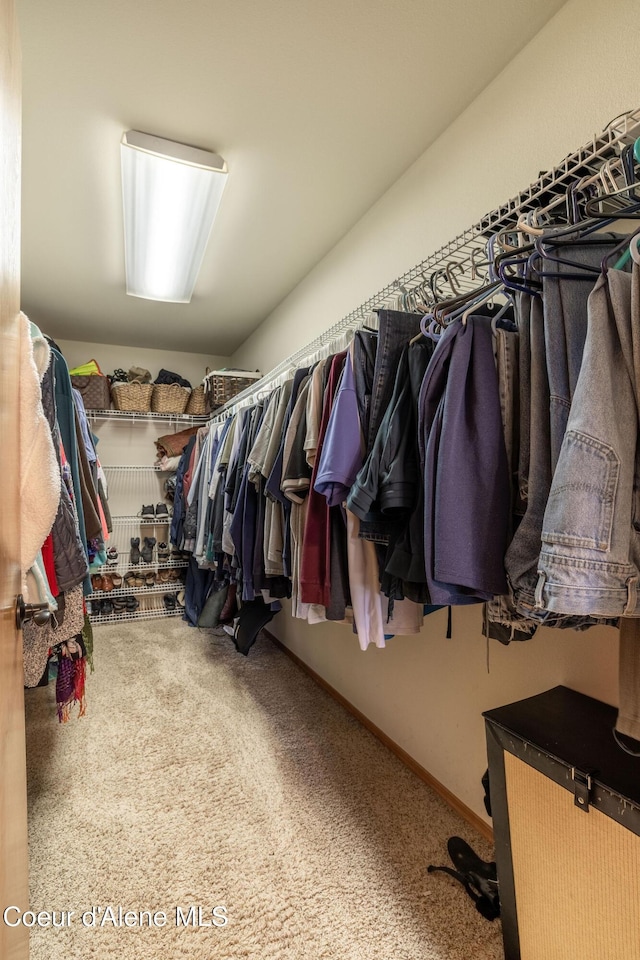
171, 194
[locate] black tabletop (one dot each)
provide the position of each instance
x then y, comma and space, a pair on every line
578, 731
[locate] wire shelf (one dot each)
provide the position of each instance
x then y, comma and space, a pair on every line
154, 614
172, 586
186, 419
462, 250
141, 521
135, 468
125, 566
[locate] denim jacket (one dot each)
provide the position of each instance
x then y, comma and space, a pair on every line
590, 538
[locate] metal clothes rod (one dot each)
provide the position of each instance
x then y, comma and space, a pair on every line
462, 252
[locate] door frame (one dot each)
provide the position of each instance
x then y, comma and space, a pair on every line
14, 857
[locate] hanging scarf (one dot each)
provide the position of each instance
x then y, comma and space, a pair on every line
70, 685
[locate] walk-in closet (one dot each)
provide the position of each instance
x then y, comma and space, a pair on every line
320, 535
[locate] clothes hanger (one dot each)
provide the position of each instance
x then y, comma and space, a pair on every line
516, 258
369, 323
430, 287
576, 230
626, 248
453, 283
448, 311
633, 248
474, 306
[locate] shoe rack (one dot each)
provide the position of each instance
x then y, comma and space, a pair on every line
123, 442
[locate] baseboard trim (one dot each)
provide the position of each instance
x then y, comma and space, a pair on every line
449, 798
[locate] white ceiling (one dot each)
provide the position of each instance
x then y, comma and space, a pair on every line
317, 107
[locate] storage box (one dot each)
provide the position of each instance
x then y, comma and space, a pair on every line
224, 385
565, 801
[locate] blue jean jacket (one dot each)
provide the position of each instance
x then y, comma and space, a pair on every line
590, 537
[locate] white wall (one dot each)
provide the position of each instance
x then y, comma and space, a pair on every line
428, 693
191, 366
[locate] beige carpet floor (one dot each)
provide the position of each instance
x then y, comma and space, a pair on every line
199, 777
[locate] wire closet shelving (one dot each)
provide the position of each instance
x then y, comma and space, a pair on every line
459, 257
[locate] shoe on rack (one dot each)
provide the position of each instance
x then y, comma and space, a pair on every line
174, 575
112, 556
147, 549
95, 607
162, 512
150, 579
119, 604
116, 580
163, 551
130, 579
96, 582
135, 550
164, 576
180, 599
107, 583
147, 513
107, 608
169, 600
132, 604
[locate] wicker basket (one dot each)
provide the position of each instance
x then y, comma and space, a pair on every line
224, 385
169, 398
135, 397
198, 405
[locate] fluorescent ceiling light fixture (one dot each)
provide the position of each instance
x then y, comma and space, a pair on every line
171, 194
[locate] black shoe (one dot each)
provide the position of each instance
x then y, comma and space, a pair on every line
147, 549
135, 550
107, 608
163, 552
132, 603
169, 601
478, 877
147, 513
162, 511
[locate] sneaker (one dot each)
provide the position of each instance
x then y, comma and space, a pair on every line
107, 608
112, 556
163, 551
162, 511
135, 550
147, 549
147, 513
